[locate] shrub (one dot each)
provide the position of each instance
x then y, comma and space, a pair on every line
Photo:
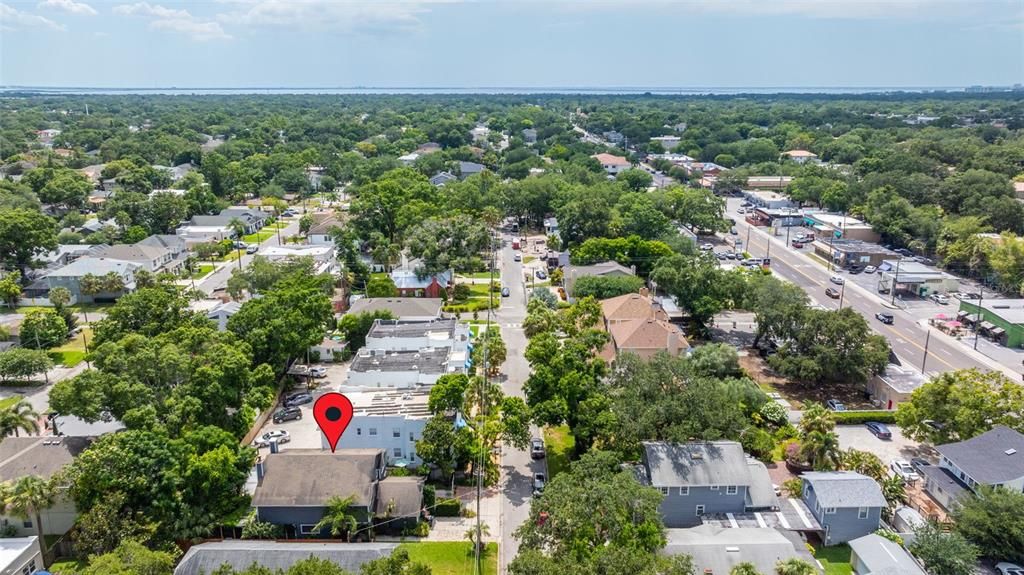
429, 496
759, 443
448, 508
794, 487
773, 413
855, 417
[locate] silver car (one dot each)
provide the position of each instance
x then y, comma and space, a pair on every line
278, 436
902, 469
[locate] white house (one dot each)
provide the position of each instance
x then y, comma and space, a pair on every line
203, 234
397, 335
405, 369
323, 256
388, 420
20, 556
800, 156
323, 226
667, 142
611, 163
41, 457
409, 159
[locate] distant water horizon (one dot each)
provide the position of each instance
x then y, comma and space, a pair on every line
485, 90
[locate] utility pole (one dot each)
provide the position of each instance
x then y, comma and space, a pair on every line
895, 278
927, 339
981, 313
842, 292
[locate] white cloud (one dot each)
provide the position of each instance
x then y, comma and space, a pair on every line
174, 20
334, 15
69, 6
12, 19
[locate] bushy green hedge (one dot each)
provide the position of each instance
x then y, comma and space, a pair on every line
470, 306
448, 508
855, 417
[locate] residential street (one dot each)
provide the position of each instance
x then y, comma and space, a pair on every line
219, 278
906, 337
516, 466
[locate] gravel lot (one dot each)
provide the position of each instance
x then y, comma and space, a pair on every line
899, 447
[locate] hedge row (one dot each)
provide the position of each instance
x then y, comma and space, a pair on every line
855, 417
448, 508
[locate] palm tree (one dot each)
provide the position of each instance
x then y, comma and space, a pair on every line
794, 567
816, 418
19, 417
894, 491
28, 497
865, 463
821, 450
485, 531
112, 283
744, 569
339, 518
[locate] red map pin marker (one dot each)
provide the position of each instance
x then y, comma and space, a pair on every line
333, 412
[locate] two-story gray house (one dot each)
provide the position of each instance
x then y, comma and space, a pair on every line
705, 478
848, 505
294, 486
994, 458
70, 277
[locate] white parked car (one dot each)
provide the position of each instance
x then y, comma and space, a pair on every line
870, 269
1007, 568
902, 469
939, 298
278, 436
838, 280
318, 371
707, 247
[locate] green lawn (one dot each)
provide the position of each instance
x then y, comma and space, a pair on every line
529, 259
451, 557
67, 567
9, 401
481, 275
257, 237
835, 559
559, 444
202, 271
73, 351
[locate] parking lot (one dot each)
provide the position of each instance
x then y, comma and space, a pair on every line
899, 447
304, 433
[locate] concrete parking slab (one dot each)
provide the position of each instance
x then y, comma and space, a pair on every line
899, 447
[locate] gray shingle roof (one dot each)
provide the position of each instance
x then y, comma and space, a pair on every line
38, 456
399, 306
309, 477
95, 266
995, 456
844, 489
405, 492
720, 549
698, 463
206, 558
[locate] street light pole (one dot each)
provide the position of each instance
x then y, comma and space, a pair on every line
981, 314
895, 278
924, 360
842, 292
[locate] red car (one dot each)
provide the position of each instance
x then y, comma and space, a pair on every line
798, 244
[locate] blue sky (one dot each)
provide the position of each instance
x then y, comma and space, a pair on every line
521, 43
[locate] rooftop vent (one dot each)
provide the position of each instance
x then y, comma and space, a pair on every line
696, 455
1010, 451
732, 549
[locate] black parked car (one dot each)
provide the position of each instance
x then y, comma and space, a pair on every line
287, 414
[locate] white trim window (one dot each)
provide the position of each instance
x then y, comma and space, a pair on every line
306, 528
830, 511
699, 510
664, 490
862, 513
684, 490
731, 489
714, 488
373, 431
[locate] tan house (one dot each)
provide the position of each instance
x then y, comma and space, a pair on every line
637, 324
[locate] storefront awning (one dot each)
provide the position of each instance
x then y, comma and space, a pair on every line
996, 332
970, 318
986, 326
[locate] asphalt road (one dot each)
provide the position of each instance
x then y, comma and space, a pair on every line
517, 468
906, 337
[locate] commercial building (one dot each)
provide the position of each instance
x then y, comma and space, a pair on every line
406, 369
914, 279
768, 199
839, 226
388, 420
404, 335
894, 385
780, 218
1001, 320
768, 182
845, 253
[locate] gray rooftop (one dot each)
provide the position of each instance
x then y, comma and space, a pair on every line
698, 463
430, 360
406, 328
903, 379
400, 307
169, 241
717, 550
879, 555
996, 456
411, 403
404, 493
944, 479
95, 266
860, 246
309, 477
844, 489
135, 252
760, 491
38, 456
206, 558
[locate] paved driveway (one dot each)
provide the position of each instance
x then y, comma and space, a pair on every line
899, 447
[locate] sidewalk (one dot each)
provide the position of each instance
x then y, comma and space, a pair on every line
966, 345
455, 528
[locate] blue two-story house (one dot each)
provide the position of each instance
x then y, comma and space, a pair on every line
705, 478
294, 486
848, 505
